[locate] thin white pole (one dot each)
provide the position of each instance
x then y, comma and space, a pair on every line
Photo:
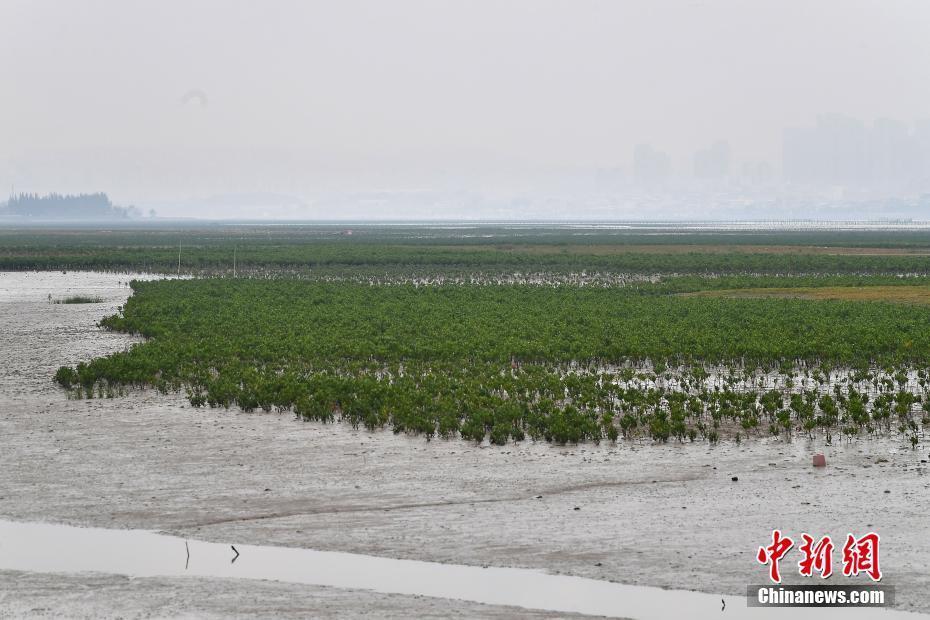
179, 258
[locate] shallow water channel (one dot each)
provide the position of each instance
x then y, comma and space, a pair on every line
52, 548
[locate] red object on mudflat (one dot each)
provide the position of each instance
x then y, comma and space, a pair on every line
820, 460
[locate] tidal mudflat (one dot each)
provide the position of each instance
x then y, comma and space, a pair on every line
632, 512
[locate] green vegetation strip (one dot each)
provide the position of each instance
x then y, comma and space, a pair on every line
479, 360
381, 250
897, 294
335, 258
79, 299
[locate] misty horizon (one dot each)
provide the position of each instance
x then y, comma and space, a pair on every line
413, 110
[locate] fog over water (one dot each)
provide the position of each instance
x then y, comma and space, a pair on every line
441, 109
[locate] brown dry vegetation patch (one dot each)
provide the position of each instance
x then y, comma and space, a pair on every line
893, 294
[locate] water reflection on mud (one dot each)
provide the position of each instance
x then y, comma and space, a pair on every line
50, 548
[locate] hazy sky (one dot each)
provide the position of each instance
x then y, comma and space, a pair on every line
286, 96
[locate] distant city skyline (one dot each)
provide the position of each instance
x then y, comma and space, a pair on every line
859, 150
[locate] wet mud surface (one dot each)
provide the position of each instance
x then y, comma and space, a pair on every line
636, 513
34, 595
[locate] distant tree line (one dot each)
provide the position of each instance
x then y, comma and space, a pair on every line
66, 206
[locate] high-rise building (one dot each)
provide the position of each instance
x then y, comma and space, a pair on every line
888, 157
713, 162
